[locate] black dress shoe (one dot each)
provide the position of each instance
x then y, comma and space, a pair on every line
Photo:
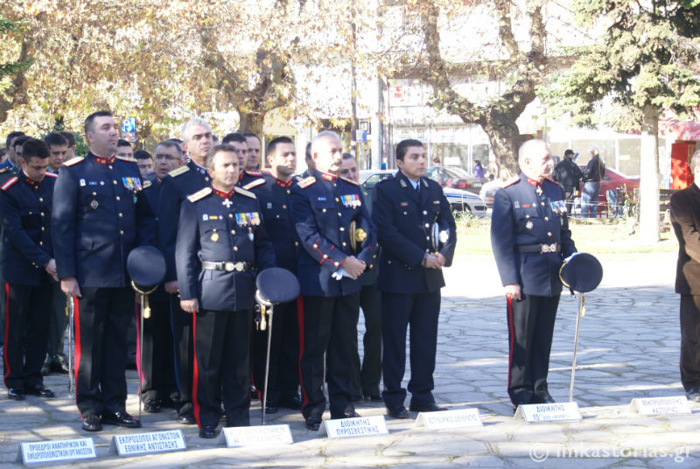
58, 367
313, 422
546, 399
374, 398
432, 407
15, 393
120, 418
186, 419
693, 394
41, 391
92, 423
293, 403
400, 413
348, 414
271, 409
207, 431
45, 369
152, 406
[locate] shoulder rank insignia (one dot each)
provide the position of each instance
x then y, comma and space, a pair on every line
255, 183
242, 191
199, 194
51, 175
306, 182
9, 183
511, 181
254, 173
4, 170
147, 183
178, 171
349, 180
124, 158
74, 160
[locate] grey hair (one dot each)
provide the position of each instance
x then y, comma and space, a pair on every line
530, 149
191, 123
322, 136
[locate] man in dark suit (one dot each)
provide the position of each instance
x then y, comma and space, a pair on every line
418, 235
177, 185
99, 215
685, 216
568, 174
221, 245
29, 269
530, 237
331, 259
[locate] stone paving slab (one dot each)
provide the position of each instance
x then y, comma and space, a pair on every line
628, 348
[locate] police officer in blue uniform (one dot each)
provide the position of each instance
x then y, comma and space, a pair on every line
221, 243
158, 385
417, 233
28, 268
180, 183
273, 191
325, 208
99, 215
530, 237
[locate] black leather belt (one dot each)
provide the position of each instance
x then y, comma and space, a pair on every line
226, 266
540, 248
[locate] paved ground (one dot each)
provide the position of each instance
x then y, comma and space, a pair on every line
629, 347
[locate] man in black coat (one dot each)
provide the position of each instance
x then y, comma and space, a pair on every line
99, 215
418, 235
568, 174
530, 238
685, 216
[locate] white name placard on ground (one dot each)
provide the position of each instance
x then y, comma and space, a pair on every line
60, 450
358, 426
449, 419
660, 405
555, 412
264, 435
153, 442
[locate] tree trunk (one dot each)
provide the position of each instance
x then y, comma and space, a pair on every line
251, 122
504, 137
649, 183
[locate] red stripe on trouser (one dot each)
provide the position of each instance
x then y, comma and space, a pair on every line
7, 328
139, 368
195, 371
76, 337
511, 339
300, 319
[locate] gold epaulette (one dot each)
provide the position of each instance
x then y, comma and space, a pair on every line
9, 183
199, 194
177, 171
306, 182
242, 191
125, 158
349, 180
147, 184
74, 160
511, 181
255, 183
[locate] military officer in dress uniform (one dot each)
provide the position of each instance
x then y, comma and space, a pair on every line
99, 215
530, 237
28, 268
221, 243
248, 178
337, 242
417, 233
177, 185
273, 192
158, 385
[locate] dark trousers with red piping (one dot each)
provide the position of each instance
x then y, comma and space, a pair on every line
530, 329
327, 325
101, 322
181, 327
222, 367
27, 311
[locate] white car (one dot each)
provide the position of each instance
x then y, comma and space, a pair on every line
460, 201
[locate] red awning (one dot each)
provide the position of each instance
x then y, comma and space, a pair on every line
678, 129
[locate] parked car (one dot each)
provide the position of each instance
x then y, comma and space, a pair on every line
614, 180
456, 178
459, 200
